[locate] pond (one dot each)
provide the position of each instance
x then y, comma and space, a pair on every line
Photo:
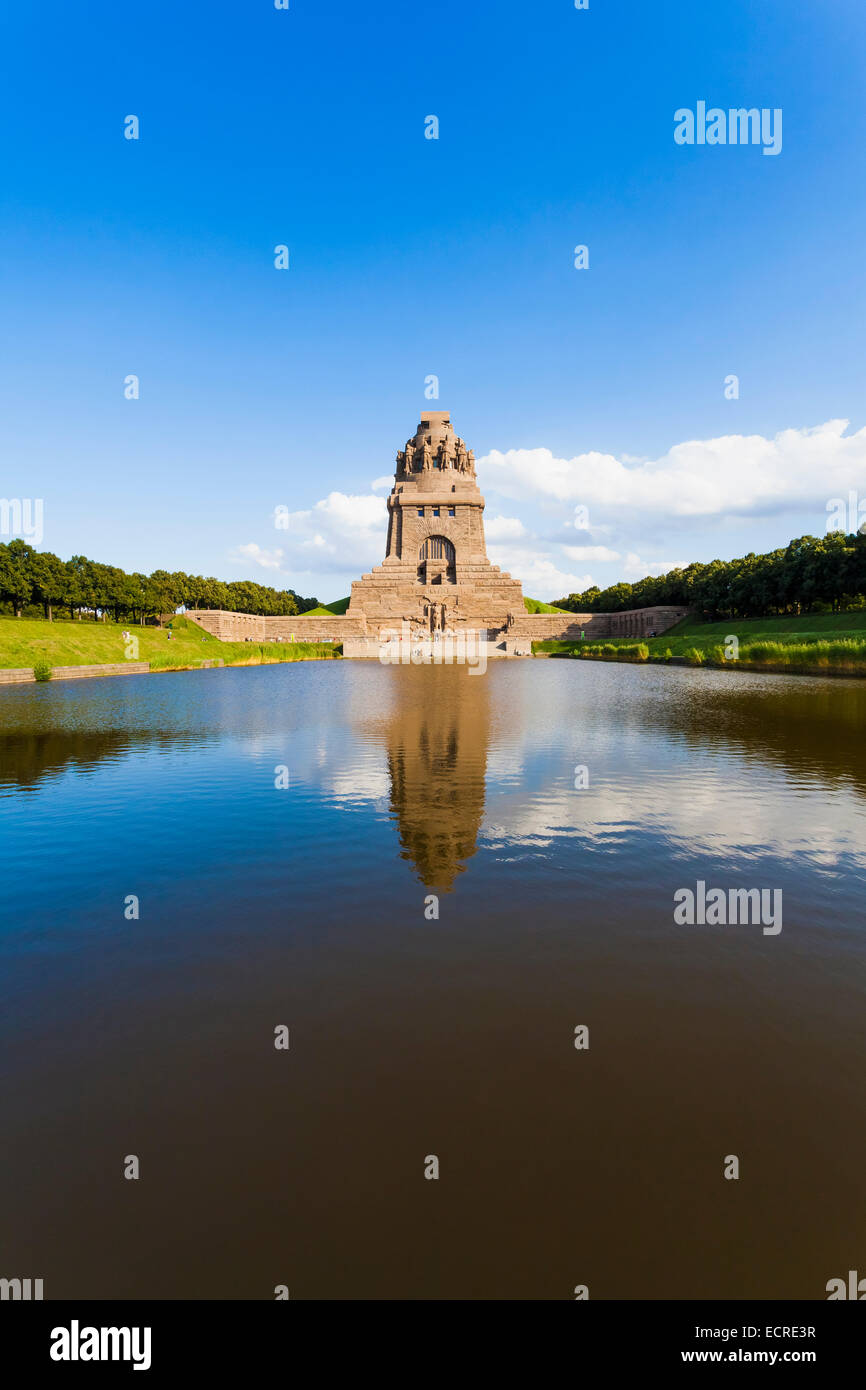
454, 896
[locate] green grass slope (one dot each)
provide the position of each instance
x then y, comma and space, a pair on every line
832, 642
793, 629
26, 641
338, 608
535, 605
328, 610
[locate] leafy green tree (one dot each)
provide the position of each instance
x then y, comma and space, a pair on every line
49, 581
137, 590
16, 574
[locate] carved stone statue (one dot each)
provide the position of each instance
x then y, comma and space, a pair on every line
434, 615
445, 454
426, 456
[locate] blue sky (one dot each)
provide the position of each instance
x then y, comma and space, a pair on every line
262, 388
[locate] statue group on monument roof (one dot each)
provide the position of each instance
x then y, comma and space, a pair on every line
451, 453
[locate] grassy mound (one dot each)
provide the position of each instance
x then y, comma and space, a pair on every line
534, 605
781, 629
31, 642
834, 643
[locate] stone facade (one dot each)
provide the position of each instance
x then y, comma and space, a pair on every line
240, 627
644, 622
23, 675
436, 575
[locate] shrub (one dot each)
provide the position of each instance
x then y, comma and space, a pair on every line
42, 671
694, 656
642, 651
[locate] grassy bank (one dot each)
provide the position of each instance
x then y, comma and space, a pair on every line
823, 644
28, 642
535, 605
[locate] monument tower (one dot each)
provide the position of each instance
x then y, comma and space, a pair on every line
436, 574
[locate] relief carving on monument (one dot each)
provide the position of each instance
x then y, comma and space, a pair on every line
406, 460
434, 615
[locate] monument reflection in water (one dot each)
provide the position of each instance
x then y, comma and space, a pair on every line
437, 764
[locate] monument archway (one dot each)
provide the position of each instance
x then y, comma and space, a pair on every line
437, 561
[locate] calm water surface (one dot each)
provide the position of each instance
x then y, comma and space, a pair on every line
412, 1037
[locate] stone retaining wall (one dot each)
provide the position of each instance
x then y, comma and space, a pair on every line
635, 622
17, 677
563, 627
528, 627
645, 622
23, 675
318, 629
238, 627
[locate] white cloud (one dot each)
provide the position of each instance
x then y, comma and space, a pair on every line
504, 528
539, 575
338, 534
383, 484
718, 818
591, 554
735, 474
268, 559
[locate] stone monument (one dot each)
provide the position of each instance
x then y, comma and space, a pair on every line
435, 581
435, 575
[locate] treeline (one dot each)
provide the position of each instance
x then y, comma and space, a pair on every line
826, 573
79, 585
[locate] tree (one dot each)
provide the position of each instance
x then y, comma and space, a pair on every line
49, 581
16, 582
83, 594
163, 593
